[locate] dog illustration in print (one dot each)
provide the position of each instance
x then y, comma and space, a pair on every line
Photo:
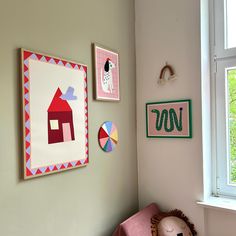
106, 78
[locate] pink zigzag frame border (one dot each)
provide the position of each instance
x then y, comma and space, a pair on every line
28, 171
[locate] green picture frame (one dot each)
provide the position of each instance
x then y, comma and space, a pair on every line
169, 119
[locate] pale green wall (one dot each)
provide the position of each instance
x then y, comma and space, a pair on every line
88, 201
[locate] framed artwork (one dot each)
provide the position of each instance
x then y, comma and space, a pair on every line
106, 74
55, 114
171, 119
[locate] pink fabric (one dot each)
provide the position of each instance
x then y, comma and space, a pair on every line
138, 224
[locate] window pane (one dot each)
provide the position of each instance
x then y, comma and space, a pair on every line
230, 23
231, 74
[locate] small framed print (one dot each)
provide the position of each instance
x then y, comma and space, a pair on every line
171, 119
106, 74
55, 114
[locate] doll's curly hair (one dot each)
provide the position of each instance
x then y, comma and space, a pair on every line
155, 220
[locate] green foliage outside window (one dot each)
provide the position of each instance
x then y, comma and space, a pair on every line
232, 123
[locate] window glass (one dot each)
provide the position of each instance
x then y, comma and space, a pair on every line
230, 19
231, 79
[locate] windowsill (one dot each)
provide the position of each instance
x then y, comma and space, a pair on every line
219, 203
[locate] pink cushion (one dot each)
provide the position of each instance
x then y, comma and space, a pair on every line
138, 224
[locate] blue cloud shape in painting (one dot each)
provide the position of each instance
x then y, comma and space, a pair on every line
69, 95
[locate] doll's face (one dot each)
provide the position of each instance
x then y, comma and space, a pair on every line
173, 226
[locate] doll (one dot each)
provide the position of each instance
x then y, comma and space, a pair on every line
173, 223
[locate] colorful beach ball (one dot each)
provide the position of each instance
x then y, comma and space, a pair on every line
108, 136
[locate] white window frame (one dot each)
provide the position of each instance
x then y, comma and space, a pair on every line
221, 58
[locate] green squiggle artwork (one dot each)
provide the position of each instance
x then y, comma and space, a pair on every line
163, 119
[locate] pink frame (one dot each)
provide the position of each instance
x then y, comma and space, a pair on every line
44, 170
101, 54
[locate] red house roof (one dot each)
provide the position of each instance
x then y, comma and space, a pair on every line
58, 104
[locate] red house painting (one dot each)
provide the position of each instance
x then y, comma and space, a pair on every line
60, 120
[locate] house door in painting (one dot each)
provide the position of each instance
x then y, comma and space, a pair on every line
66, 132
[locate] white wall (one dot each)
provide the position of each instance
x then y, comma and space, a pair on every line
170, 170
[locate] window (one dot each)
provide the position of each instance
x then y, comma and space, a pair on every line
230, 19
54, 124
223, 56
